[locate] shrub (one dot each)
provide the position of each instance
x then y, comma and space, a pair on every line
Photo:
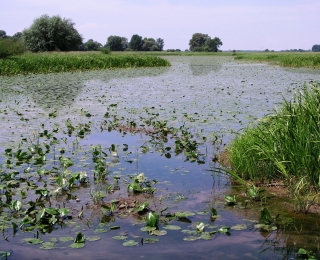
105, 50
9, 47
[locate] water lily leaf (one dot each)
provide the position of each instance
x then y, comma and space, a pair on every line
207, 235
80, 238
114, 227
120, 237
34, 241
150, 240
171, 227
158, 232
130, 243
77, 245
239, 227
152, 219
92, 238
190, 232
4, 254
66, 239
184, 214
147, 228
48, 246
191, 238
224, 229
101, 230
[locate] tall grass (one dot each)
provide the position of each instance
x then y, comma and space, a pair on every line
63, 62
283, 146
285, 59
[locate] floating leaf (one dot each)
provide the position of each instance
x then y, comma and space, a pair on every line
80, 238
92, 238
147, 228
184, 214
120, 237
171, 227
101, 230
4, 254
47, 245
130, 243
158, 232
66, 239
34, 241
200, 226
77, 245
150, 240
239, 227
114, 227
191, 238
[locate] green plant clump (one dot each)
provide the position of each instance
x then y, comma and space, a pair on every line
64, 62
282, 146
9, 48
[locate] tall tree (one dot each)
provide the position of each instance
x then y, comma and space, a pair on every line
136, 42
51, 34
114, 43
212, 45
160, 43
2, 34
124, 43
149, 44
316, 47
198, 40
92, 45
17, 36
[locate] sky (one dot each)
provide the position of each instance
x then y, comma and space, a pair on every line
240, 24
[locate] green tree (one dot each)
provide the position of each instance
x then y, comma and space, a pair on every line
114, 43
92, 45
51, 34
149, 44
2, 34
124, 43
198, 40
17, 37
212, 45
160, 43
136, 42
316, 47
8, 47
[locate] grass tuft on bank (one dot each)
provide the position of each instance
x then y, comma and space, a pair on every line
64, 62
284, 146
285, 59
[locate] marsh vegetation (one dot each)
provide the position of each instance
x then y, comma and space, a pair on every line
99, 161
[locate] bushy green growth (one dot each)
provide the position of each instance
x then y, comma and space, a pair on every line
76, 61
9, 47
105, 50
284, 145
286, 59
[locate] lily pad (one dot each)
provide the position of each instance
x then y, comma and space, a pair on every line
48, 246
66, 239
184, 214
77, 245
191, 238
34, 241
93, 238
148, 228
120, 237
239, 227
130, 243
158, 232
101, 230
171, 227
4, 254
150, 240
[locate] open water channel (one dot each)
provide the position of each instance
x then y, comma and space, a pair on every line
207, 100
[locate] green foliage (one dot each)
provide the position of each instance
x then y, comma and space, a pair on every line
284, 58
105, 50
316, 47
152, 219
203, 42
62, 62
51, 34
284, 145
136, 42
91, 45
3, 34
114, 43
8, 47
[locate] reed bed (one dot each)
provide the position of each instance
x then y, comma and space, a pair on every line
64, 62
283, 146
292, 59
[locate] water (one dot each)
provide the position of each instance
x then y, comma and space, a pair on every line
213, 97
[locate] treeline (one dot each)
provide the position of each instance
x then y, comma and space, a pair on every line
316, 47
58, 34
